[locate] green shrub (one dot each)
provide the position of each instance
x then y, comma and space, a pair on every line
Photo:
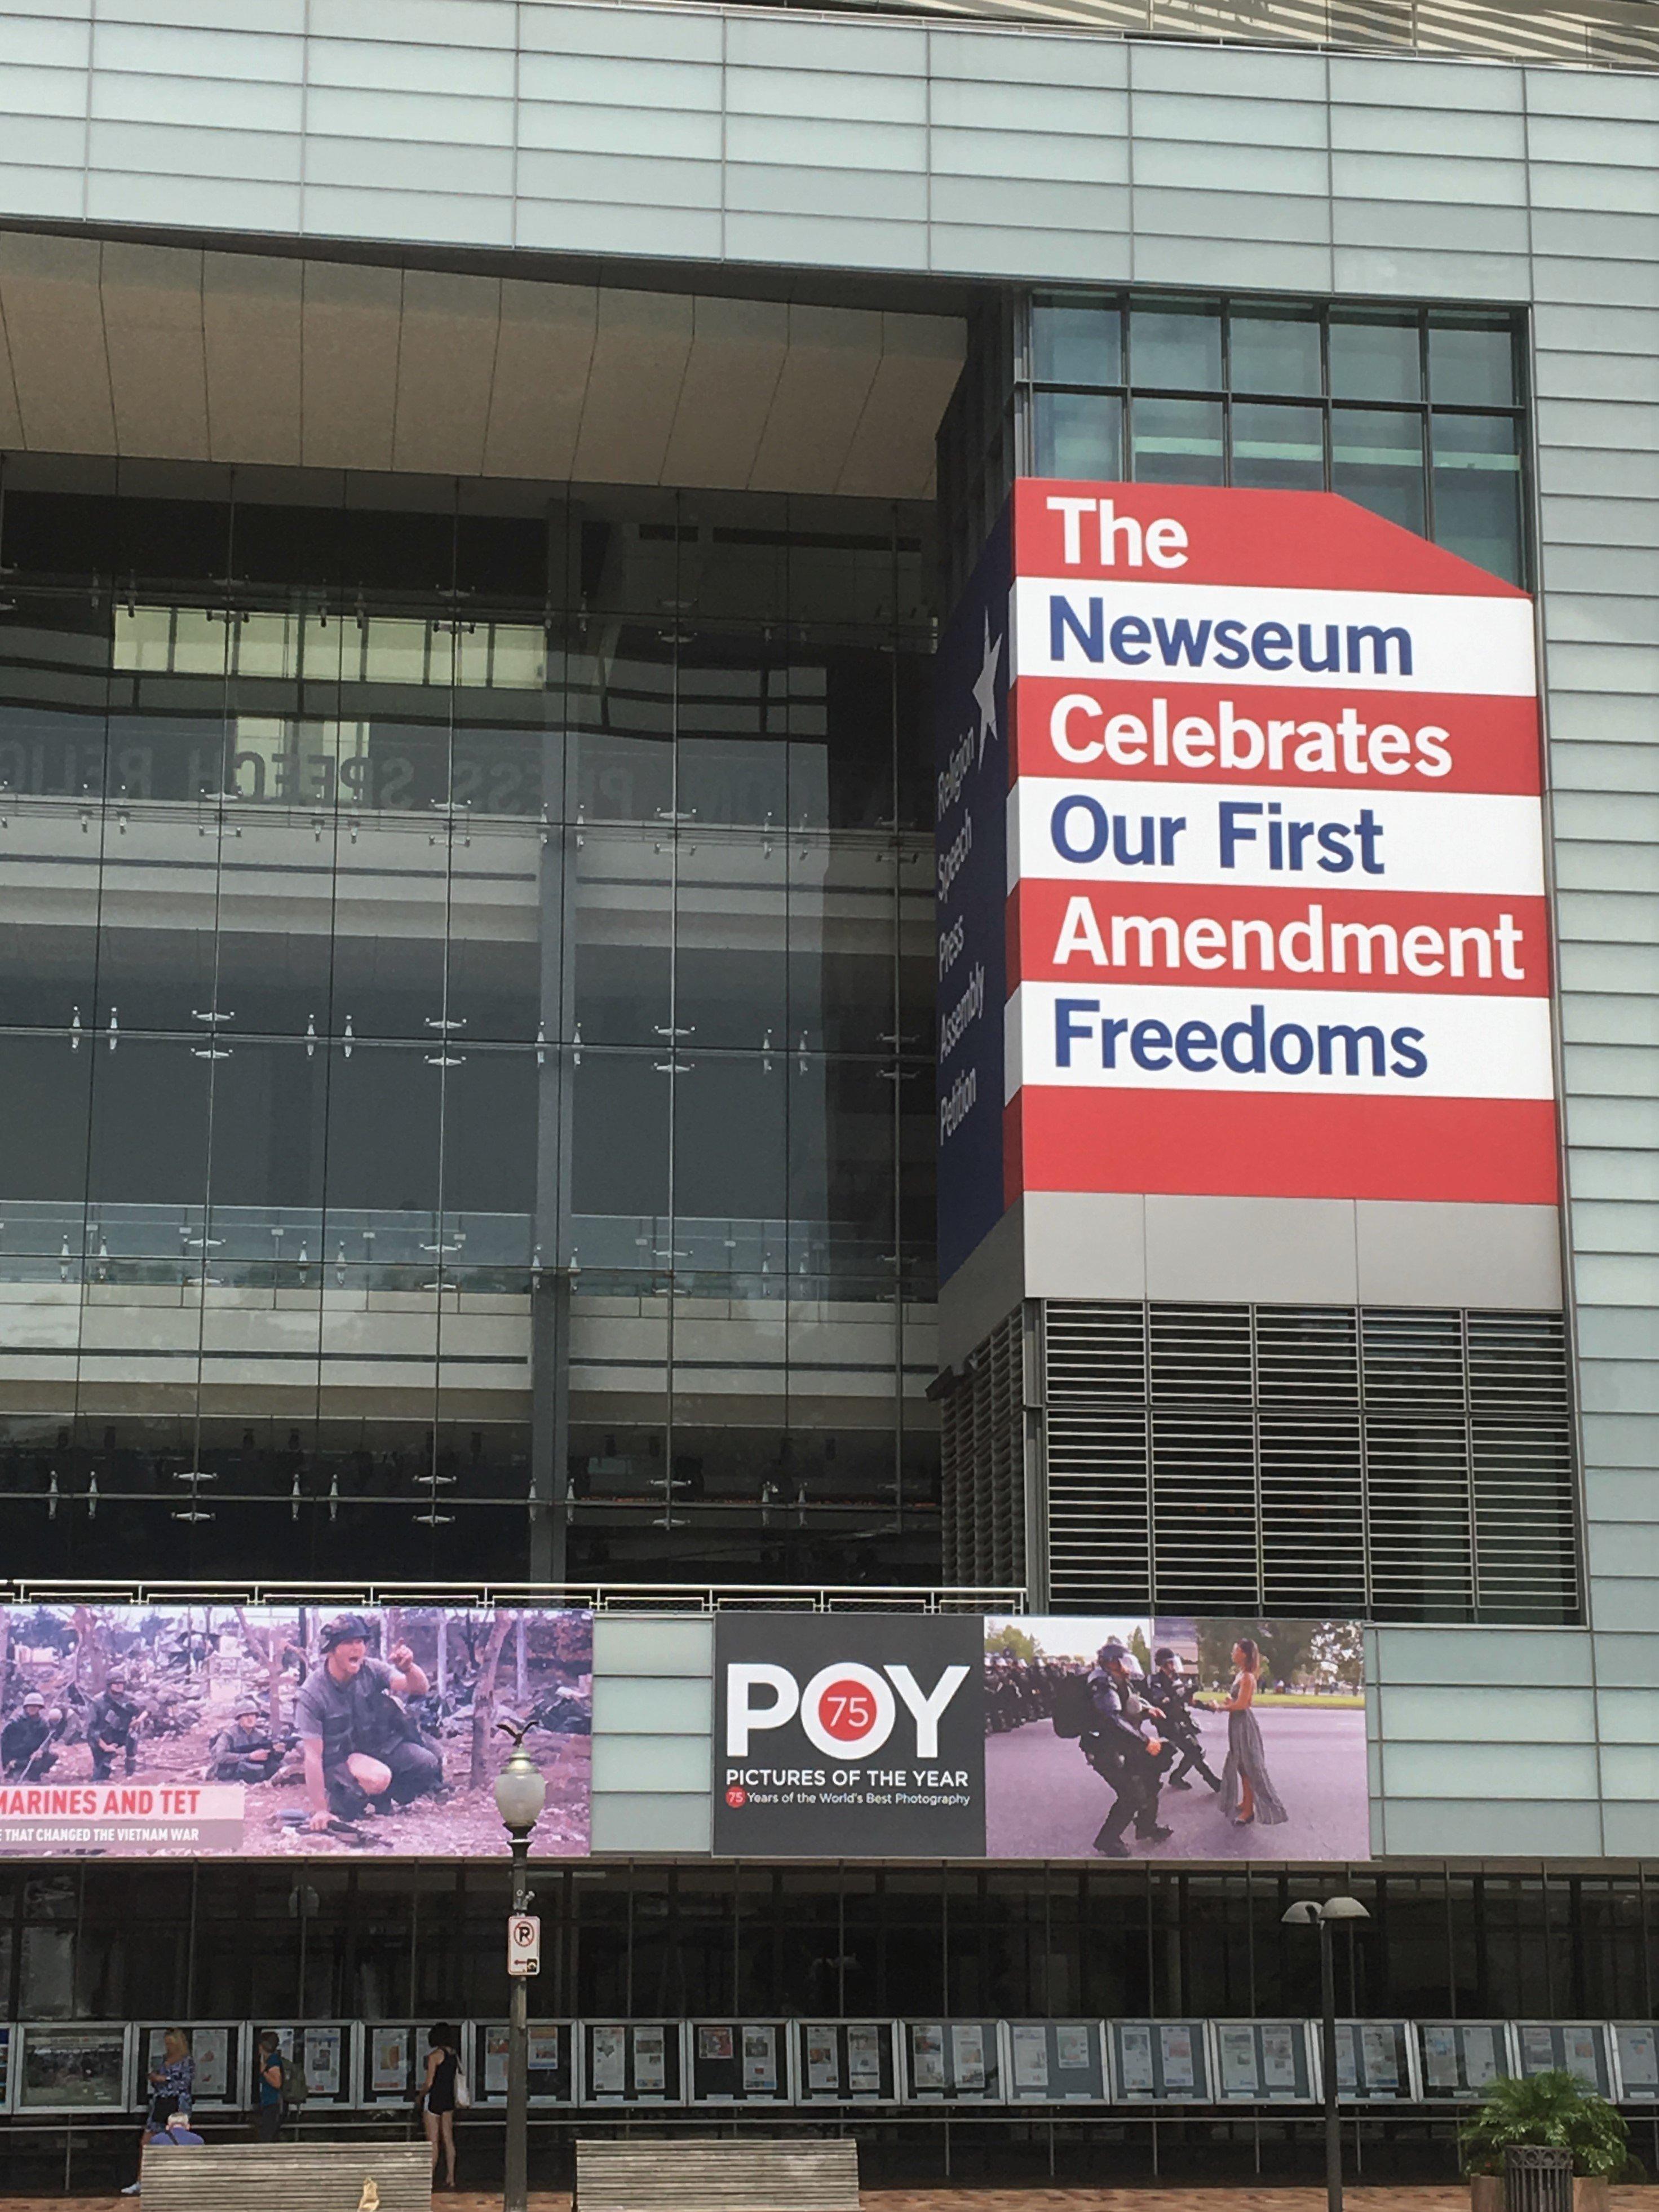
1547, 2109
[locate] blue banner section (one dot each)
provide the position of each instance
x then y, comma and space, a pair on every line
971, 890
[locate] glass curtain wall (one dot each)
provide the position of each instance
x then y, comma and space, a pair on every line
329, 1942
465, 1028
1417, 413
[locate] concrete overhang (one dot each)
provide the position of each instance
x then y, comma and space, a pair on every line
116, 347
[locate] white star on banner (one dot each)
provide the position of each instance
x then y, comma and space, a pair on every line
985, 689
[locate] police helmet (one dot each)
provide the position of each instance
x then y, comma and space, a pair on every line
1113, 1649
1163, 1656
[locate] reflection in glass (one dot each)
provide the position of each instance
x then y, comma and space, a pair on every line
1471, 361
1078, 435
1277, 354
1076, 341
1178, 441
1375, 356
1477, 491
1376, 459
1176, 345
1279, 449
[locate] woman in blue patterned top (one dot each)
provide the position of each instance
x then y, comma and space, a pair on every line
171, 2085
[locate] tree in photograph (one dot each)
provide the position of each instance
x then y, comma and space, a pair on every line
484, 1699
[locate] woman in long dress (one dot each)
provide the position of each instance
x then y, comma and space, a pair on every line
1247, 1791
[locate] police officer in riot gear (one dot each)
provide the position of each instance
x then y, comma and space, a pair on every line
1171, 1695
1129, 1762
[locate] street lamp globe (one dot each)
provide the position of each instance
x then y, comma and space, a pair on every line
521, 1791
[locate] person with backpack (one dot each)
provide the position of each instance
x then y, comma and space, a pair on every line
274, 2084
1129, 1761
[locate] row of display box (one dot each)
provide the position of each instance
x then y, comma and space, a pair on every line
51, 2067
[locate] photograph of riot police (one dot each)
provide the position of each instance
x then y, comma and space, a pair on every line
1171, 1691
1153, 1707
1119, 1740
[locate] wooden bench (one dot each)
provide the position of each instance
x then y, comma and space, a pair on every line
303, 2177
759, 2174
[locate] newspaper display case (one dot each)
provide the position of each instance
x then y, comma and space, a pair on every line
1265, 2061
1583, 2048
1635, 2061
1056, 2062
1376, 2062
221, 2048
551, 2068
952, 2062
71, 2066
324, 2049
632, 2062
391, 2061
8, 2037
1458, 2060
741, 2062
846, 2062
1159, 2062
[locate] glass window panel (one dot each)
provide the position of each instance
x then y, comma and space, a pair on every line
1078, 435
842, 920
1376, 356
732, 942
1276, 354
1477, 491
391, 922
1376, 459
624, 924
1176, 345
44, 1091
717, 1181
619, 1176
497, 918
1279, 449
147, 1170
1076, 341
732, 705
618, 694
1176, 440
1471, 361
840, 721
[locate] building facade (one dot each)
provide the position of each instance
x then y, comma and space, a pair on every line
481, 487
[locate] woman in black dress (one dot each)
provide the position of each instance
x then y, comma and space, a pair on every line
438, 2099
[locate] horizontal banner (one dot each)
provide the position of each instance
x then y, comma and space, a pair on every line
1144, 1036
1196, 534
1114, 731
170, 1730
1255, 935
1393, 841
876, 1736
1491, 1151
1182, 633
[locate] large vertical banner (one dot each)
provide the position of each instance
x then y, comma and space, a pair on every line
1275, 911
970, 817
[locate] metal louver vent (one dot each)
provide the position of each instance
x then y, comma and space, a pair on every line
1395, 1464
983, 1462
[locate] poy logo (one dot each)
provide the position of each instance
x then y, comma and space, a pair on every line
847, 1711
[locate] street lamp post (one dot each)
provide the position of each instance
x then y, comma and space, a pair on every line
1306, 1913
520, 1793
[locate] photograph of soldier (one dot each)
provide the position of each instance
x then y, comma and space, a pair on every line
26, 1741
243, 1751
309, 1731
110, 1727
363, 1752
1154, 1706
1172, 1693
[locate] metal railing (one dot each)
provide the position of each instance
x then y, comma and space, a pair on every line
601, 1597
